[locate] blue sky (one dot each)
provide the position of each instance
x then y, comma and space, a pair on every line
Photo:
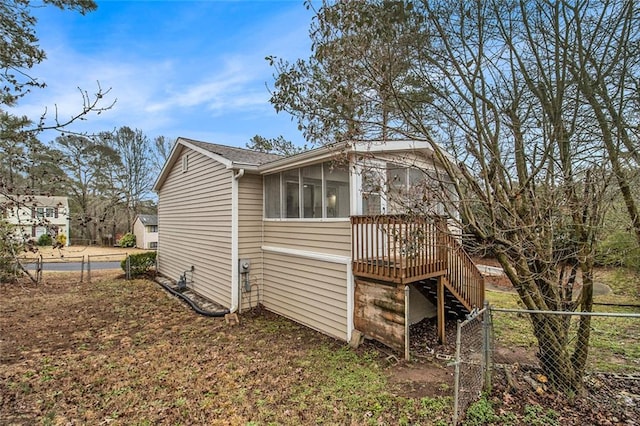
177, 68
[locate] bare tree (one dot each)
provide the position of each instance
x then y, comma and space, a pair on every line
163, 146
514, 128
134, 179
88, 164
21, 51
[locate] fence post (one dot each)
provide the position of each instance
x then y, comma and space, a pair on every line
486, 346
89, 269
39, 270
456, 374
128, 267
82, 270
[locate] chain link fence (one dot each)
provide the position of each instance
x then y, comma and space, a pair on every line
472, 361
547, 364
81, 266
498, 340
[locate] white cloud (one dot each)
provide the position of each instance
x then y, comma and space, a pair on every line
171, 94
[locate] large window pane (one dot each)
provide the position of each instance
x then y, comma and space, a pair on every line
291, 182
272, 196
312, 191
337, 195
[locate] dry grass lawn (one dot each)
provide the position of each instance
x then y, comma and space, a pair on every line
126, 353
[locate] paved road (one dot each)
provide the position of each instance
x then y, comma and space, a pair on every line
75, 266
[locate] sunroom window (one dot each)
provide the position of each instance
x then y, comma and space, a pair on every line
313, 192
291, 190
272, 196
337, 191
411, 188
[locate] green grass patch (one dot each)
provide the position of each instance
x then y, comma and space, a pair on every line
613, 347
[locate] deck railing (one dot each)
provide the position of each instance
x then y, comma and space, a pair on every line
404, 249
396, 248
462, 274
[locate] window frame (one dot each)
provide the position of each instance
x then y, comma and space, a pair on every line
301, 196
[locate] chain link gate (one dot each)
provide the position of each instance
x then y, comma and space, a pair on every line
472, 359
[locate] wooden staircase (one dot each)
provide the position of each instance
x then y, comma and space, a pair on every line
453, 308
402, 250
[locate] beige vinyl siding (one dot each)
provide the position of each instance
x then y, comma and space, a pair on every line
301, 286
194, 219
329, 237
250, 235
309, 291
138, 231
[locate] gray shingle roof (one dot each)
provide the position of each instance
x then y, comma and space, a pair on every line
148, 219
234, 154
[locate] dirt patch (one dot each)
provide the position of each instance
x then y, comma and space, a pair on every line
514, 355
419, 379
607, 400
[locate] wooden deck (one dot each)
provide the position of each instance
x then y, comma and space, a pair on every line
401, 250
394, 249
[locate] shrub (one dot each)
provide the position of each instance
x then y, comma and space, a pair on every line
619, 249
61, 240
45, 240
140, 263
128, 240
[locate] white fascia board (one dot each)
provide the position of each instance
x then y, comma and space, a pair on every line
390, 146
362, 147
313, 255
304, 158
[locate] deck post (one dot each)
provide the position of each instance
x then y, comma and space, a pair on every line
440, 301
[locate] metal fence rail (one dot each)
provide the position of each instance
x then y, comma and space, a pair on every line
613, 343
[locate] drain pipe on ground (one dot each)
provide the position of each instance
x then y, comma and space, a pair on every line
191, 303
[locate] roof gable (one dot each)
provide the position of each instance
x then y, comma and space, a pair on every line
231, 157
238, 156
148, 219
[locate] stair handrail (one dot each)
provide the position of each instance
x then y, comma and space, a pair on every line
462, 273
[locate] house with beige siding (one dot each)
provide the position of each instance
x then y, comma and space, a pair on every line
145, 228
314, 237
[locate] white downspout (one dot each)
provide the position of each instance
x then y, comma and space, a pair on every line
235, 279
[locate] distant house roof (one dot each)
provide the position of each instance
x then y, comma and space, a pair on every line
148, 219
36, 200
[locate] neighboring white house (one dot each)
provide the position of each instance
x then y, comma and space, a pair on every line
36, 215
145, 228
